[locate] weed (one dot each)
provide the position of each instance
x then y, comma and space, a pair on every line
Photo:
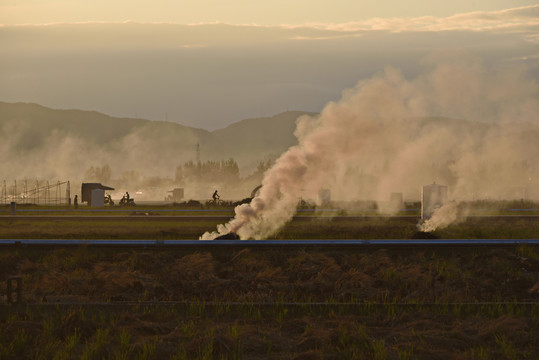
222, 309
388, 274
48, 328
344, 338
457, 310
406, 353
51, 350
528, 251
379, 351
205, 350
281, 316
196, 308
19, 342
181, 354
96, 349
125, 346
494, 311
5, 351
148, 350
234, 333
507, 348
480, 353
71, 342
189, 328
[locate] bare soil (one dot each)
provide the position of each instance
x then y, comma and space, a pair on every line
272, 304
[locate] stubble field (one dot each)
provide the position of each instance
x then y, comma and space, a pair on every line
261, 303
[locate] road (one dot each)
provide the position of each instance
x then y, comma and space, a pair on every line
274, 243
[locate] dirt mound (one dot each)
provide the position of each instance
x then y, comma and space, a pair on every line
229, 236
424, 235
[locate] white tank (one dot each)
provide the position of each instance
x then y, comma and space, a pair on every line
98, 198
324, 195
432, 197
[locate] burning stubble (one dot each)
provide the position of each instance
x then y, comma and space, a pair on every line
472, 128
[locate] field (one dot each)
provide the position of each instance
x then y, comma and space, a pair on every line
268, 303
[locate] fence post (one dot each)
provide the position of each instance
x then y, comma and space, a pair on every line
18, 290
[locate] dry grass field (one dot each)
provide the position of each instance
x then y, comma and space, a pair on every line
252, 303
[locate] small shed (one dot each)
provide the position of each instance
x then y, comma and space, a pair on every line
177, 194
87, 190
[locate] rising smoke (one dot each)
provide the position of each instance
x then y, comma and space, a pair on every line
462, 124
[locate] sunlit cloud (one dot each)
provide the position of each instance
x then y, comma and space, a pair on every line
522, 19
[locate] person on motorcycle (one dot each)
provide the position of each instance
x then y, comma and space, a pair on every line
108, 200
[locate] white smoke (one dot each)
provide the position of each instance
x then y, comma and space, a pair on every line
441, 218
386, 135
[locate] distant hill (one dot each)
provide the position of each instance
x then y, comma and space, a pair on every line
266, 137
63, 143
91, 125
39, 142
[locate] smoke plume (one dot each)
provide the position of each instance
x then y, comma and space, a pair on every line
461, 124
441, 218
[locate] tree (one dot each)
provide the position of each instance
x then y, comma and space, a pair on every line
230, 170
224, 171
98, 174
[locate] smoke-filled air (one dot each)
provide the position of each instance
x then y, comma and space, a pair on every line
461, 124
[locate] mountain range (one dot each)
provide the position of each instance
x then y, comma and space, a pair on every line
67, 145
45, 142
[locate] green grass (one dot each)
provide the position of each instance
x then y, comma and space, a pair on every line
151, 222
315, 228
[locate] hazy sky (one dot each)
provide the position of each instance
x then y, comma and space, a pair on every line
208, 63
236, 11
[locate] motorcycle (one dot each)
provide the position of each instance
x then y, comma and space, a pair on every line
125, 201
108, 200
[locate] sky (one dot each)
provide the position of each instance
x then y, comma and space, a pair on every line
209, 63
274, 12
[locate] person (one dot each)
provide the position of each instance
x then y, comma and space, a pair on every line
76, 202
215, 196
127, 195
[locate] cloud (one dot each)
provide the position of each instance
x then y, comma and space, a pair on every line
522, 19
149, 69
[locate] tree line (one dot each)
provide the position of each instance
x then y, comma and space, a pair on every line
225, 172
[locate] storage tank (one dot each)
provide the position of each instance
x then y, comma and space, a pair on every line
98, 198
324, 195
396, 201
432, 197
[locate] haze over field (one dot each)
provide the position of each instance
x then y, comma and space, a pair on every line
50, 144
381, 137
407, 94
